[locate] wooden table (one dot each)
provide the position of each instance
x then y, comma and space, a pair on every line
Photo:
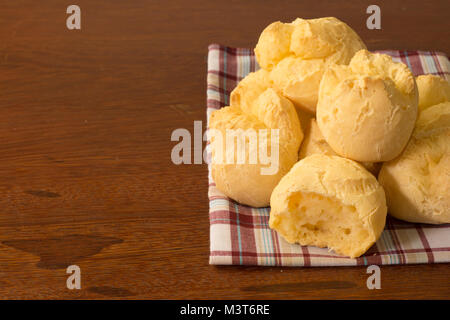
86, 174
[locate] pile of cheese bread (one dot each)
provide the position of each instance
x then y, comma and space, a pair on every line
359, 136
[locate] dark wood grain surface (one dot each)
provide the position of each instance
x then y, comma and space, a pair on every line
85, 171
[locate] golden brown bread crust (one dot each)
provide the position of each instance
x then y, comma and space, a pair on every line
255, 107
417, 183
367, 110
315, 143
298, 53
432, 90
329, 201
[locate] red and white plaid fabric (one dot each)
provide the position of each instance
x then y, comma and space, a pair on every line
241, 235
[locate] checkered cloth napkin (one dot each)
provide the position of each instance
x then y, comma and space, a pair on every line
240, 235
